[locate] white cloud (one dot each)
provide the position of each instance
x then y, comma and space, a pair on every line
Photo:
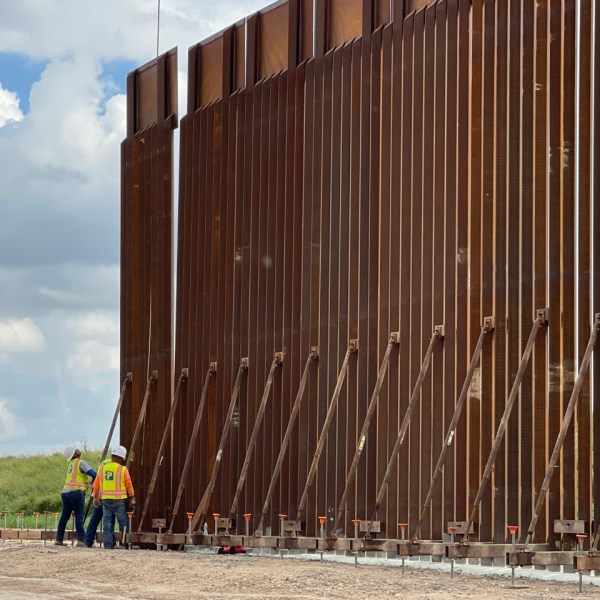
9, 107
20, 335
92, 357
59, 201
97, 325
10, 427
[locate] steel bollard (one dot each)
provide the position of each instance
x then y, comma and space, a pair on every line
452, 531
580, 541
282, 518
403, 527
322, 521
513, 533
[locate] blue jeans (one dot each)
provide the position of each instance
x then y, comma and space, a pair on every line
90, 532
112, 509
72, 502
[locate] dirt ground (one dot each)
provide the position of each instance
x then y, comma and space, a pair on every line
32, 571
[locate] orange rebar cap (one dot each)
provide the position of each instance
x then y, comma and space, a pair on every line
513, 529
403, 526
282, 517
322, 520
216, 516
130, 513
247, 516
355, 522
189, 515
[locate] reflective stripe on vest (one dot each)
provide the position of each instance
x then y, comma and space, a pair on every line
112, 482
76, 480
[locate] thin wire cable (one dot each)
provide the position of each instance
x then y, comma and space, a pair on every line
158, 29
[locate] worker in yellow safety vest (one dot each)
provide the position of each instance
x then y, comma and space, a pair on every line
79, 479
113, 487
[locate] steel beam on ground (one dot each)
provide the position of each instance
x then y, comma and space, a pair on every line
540, 321
352, 347
313, 356
585, 363
277, 361
203, 506
159, 457
438, 335
526, 558
212, 369
488, 326
393, 341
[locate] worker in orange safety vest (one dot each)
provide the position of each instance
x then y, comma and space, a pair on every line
113, 486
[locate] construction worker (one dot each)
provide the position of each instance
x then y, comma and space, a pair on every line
113, 486
92, 527
79, 478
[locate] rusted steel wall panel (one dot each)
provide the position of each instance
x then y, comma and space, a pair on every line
350, 189
147, 263
273, 41
540, 269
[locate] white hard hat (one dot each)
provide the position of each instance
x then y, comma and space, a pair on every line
120, 451
69, 452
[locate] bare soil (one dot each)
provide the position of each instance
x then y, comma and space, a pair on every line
32, 571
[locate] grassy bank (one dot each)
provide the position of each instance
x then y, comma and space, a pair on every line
34, 483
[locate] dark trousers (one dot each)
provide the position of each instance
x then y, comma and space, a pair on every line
92, 527
113, 509
72, 502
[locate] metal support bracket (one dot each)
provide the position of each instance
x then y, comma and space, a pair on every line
487, 327
541, 320
393, 342
277, 361
352, 348
312, 357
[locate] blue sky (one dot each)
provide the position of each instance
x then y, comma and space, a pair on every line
62, 119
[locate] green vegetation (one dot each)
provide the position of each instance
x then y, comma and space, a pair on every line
33, 484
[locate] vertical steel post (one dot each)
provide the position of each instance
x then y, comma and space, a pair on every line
585, 363
212, 369
488, 325
393, 341
277, 360
541, 320
352, 347
206, 497
438, 334
159, 456
313, 356
141, 417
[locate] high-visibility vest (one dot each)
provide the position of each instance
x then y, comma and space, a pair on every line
76, 480
112, 481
